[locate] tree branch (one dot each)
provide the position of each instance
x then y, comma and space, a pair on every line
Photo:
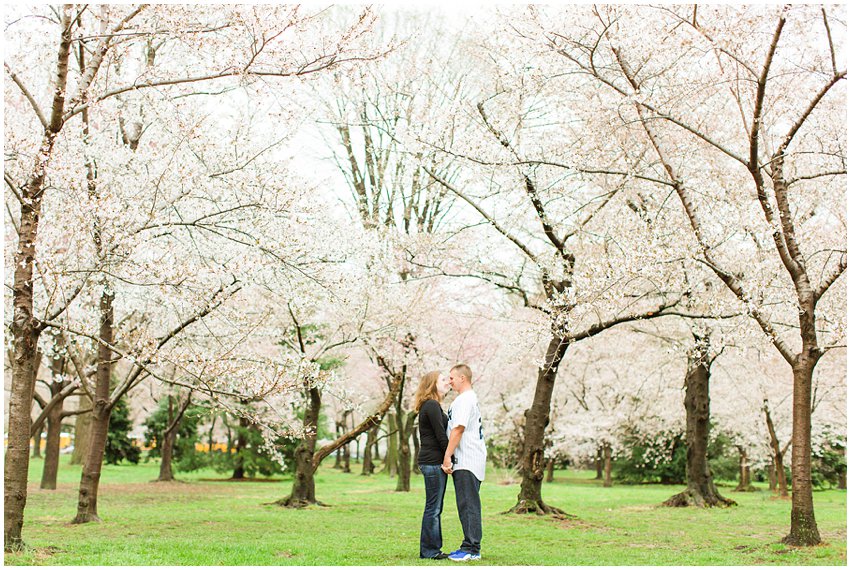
54, 401
531, 190
831, 278
753, 139
39, 399
805, 115
486, 216
97, 59
829, 41
69, 413
792, 181
605, 325
28, 96
371, 421
209, 307
183, 407
300, 71
11, 184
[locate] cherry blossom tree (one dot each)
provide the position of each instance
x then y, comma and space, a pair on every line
749, 396
239, 43
582, 254
738, 126
392, 195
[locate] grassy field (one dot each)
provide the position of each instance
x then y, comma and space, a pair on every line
195, 522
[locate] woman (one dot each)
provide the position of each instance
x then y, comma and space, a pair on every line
433, 441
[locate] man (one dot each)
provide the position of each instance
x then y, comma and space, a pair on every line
467, 444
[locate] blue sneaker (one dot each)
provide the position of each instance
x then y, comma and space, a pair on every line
461, 556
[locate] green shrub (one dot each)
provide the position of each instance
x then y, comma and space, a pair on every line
119, 446
723, 458
652, 461
185, 456
829, 464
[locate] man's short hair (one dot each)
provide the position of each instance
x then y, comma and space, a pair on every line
464, 370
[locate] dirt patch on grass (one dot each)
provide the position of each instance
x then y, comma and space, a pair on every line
573, 522
44, 553
142, 493
746, 548
160, 488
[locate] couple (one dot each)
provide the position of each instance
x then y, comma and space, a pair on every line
451, 445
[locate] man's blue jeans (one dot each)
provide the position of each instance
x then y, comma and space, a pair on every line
431, 535
469, 509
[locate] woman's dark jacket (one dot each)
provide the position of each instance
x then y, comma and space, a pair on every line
433, 440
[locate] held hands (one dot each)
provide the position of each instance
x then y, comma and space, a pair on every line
447, 465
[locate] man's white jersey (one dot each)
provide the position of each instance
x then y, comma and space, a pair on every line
471, 453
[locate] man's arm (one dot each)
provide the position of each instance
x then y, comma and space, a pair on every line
454, 440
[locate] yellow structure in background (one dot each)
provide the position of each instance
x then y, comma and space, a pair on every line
66, 444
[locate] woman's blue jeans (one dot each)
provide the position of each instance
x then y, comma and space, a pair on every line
431, 536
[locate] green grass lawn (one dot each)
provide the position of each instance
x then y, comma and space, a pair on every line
196, 522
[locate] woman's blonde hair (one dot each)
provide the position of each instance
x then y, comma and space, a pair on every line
427, 390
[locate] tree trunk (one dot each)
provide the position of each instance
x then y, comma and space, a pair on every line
376, 453
405, 424
25, 328
87, 504
82, 431
771, 473
167, 445
776, 455
308, 458
304, 487
25, 335
36, 452
54, 418
607, 465
50, 470
166, 454
598, 463
175, 417
87, 510
241, 442
842, 475
780, 477
391, 456
368, 465
700, 490
230, 432
551, 463
804, 530
210, 434
529, 500
744, 472
347, 451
